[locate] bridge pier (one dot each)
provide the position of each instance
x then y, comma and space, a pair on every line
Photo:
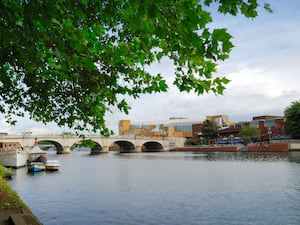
138, 149
105, 149
96, 151
66, 150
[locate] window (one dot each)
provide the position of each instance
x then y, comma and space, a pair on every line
182, 126
254, 123
269, 123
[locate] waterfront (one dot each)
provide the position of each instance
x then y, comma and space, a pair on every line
165, 188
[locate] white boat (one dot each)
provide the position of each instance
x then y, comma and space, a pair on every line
12, 155
37, 159
52, 165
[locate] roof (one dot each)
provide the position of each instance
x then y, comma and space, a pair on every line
36, 150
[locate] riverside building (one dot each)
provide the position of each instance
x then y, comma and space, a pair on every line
271, 127
174, 127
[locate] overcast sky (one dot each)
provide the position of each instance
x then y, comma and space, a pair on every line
263, 68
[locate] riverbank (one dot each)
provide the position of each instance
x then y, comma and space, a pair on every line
13, 210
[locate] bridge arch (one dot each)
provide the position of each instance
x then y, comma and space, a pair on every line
94, 146
96, 149
59, 147
125, 146
152, 146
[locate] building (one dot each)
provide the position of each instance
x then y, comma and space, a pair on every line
141, 129
9, 146
174, 127
180, 127
271, 127
124, 126
219, 120
197, 130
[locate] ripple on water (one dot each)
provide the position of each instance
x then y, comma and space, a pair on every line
165, 188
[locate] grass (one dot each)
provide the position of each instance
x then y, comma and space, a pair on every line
9, 199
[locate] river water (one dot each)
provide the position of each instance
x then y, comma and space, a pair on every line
165, 188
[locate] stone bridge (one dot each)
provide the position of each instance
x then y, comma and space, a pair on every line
64, 143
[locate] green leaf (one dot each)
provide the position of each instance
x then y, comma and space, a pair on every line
268, 8
84, 2
69, 63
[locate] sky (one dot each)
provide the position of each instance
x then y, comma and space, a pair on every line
264, 69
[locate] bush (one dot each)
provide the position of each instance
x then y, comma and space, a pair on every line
292, 115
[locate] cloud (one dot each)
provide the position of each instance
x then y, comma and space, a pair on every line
24, 124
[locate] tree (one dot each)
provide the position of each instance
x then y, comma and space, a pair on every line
209, 130
292, 115
70, 62
250, 134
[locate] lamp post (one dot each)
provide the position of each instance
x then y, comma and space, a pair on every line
270, 134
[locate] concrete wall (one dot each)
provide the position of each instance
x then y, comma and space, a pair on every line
294, 144
280, 147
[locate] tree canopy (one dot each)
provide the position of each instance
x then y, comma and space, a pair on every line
209, 130
70, 62
250, 134
292, 115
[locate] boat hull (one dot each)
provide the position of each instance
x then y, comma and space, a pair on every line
52, 165
36, 167
14, 158
53, 168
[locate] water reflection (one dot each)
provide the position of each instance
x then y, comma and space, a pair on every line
242, 156
246, 156
294, 157
166, 188
216, 156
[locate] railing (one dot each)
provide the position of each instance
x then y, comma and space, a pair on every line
268, 143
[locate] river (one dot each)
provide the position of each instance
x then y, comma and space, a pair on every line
165, 188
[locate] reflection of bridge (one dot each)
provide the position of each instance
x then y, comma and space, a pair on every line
63, 143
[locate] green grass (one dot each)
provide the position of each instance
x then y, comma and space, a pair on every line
9, 199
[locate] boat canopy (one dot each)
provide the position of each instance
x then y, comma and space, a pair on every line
36, 150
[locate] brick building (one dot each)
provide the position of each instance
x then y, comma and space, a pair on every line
271, 127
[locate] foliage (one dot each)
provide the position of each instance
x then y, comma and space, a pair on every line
8, 198
87, 142
192, 142
70, 62
44, 142
204, 141
209, 129
292, 115
2, 171
250, 134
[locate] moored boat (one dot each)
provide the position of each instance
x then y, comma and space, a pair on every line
12, 155
36, 159
36, 166
52, 165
